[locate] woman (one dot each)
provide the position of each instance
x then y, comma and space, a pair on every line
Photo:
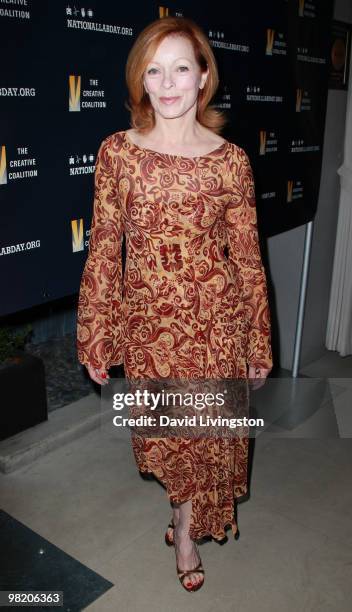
181, 194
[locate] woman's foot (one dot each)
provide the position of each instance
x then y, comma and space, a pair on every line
187, 558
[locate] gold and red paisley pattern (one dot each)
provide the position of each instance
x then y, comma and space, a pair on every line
182, 309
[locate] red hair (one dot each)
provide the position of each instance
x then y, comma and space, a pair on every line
142, 52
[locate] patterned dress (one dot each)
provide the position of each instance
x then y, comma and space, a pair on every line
192, 301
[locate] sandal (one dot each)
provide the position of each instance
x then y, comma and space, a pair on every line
169, 538
183, 573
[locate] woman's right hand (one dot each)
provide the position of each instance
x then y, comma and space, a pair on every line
99, 376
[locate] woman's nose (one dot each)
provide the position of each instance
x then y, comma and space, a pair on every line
168, 80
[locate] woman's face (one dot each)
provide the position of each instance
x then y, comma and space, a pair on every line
173, 74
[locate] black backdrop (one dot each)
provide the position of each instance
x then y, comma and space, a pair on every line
273, 64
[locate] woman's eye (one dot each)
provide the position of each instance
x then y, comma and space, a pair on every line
182, 68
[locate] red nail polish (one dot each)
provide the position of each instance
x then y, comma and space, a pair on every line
103, 375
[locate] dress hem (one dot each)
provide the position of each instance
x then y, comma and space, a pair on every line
199, 534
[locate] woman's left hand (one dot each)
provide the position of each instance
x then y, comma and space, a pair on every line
257, 376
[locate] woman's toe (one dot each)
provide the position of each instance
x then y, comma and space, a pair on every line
198, 579
191, 579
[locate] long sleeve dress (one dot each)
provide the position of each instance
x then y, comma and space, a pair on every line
183, 308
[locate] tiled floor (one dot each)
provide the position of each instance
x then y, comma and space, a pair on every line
294, 553
28, 562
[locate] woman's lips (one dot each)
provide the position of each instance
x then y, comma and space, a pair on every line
168, 100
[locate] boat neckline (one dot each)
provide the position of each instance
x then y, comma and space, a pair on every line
221, 146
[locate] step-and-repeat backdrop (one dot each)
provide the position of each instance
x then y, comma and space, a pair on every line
62, 90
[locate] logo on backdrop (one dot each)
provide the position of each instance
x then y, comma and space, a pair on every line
20, 247
294, 190
80, 239
254, 93
164, 11
305, 55
303, 101
74, 85
84, 20
15, 169
14, 13
274, 46
217, 39
77, 235
87, 98
299, 146
3, 166
268, 195
225, 98
307, 9
81, 164
267, 142
19, 92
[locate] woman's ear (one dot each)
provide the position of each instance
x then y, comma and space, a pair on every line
204, 79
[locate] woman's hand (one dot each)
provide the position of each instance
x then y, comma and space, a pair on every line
258, 375
99, 376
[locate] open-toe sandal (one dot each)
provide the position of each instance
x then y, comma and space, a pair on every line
182, 576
